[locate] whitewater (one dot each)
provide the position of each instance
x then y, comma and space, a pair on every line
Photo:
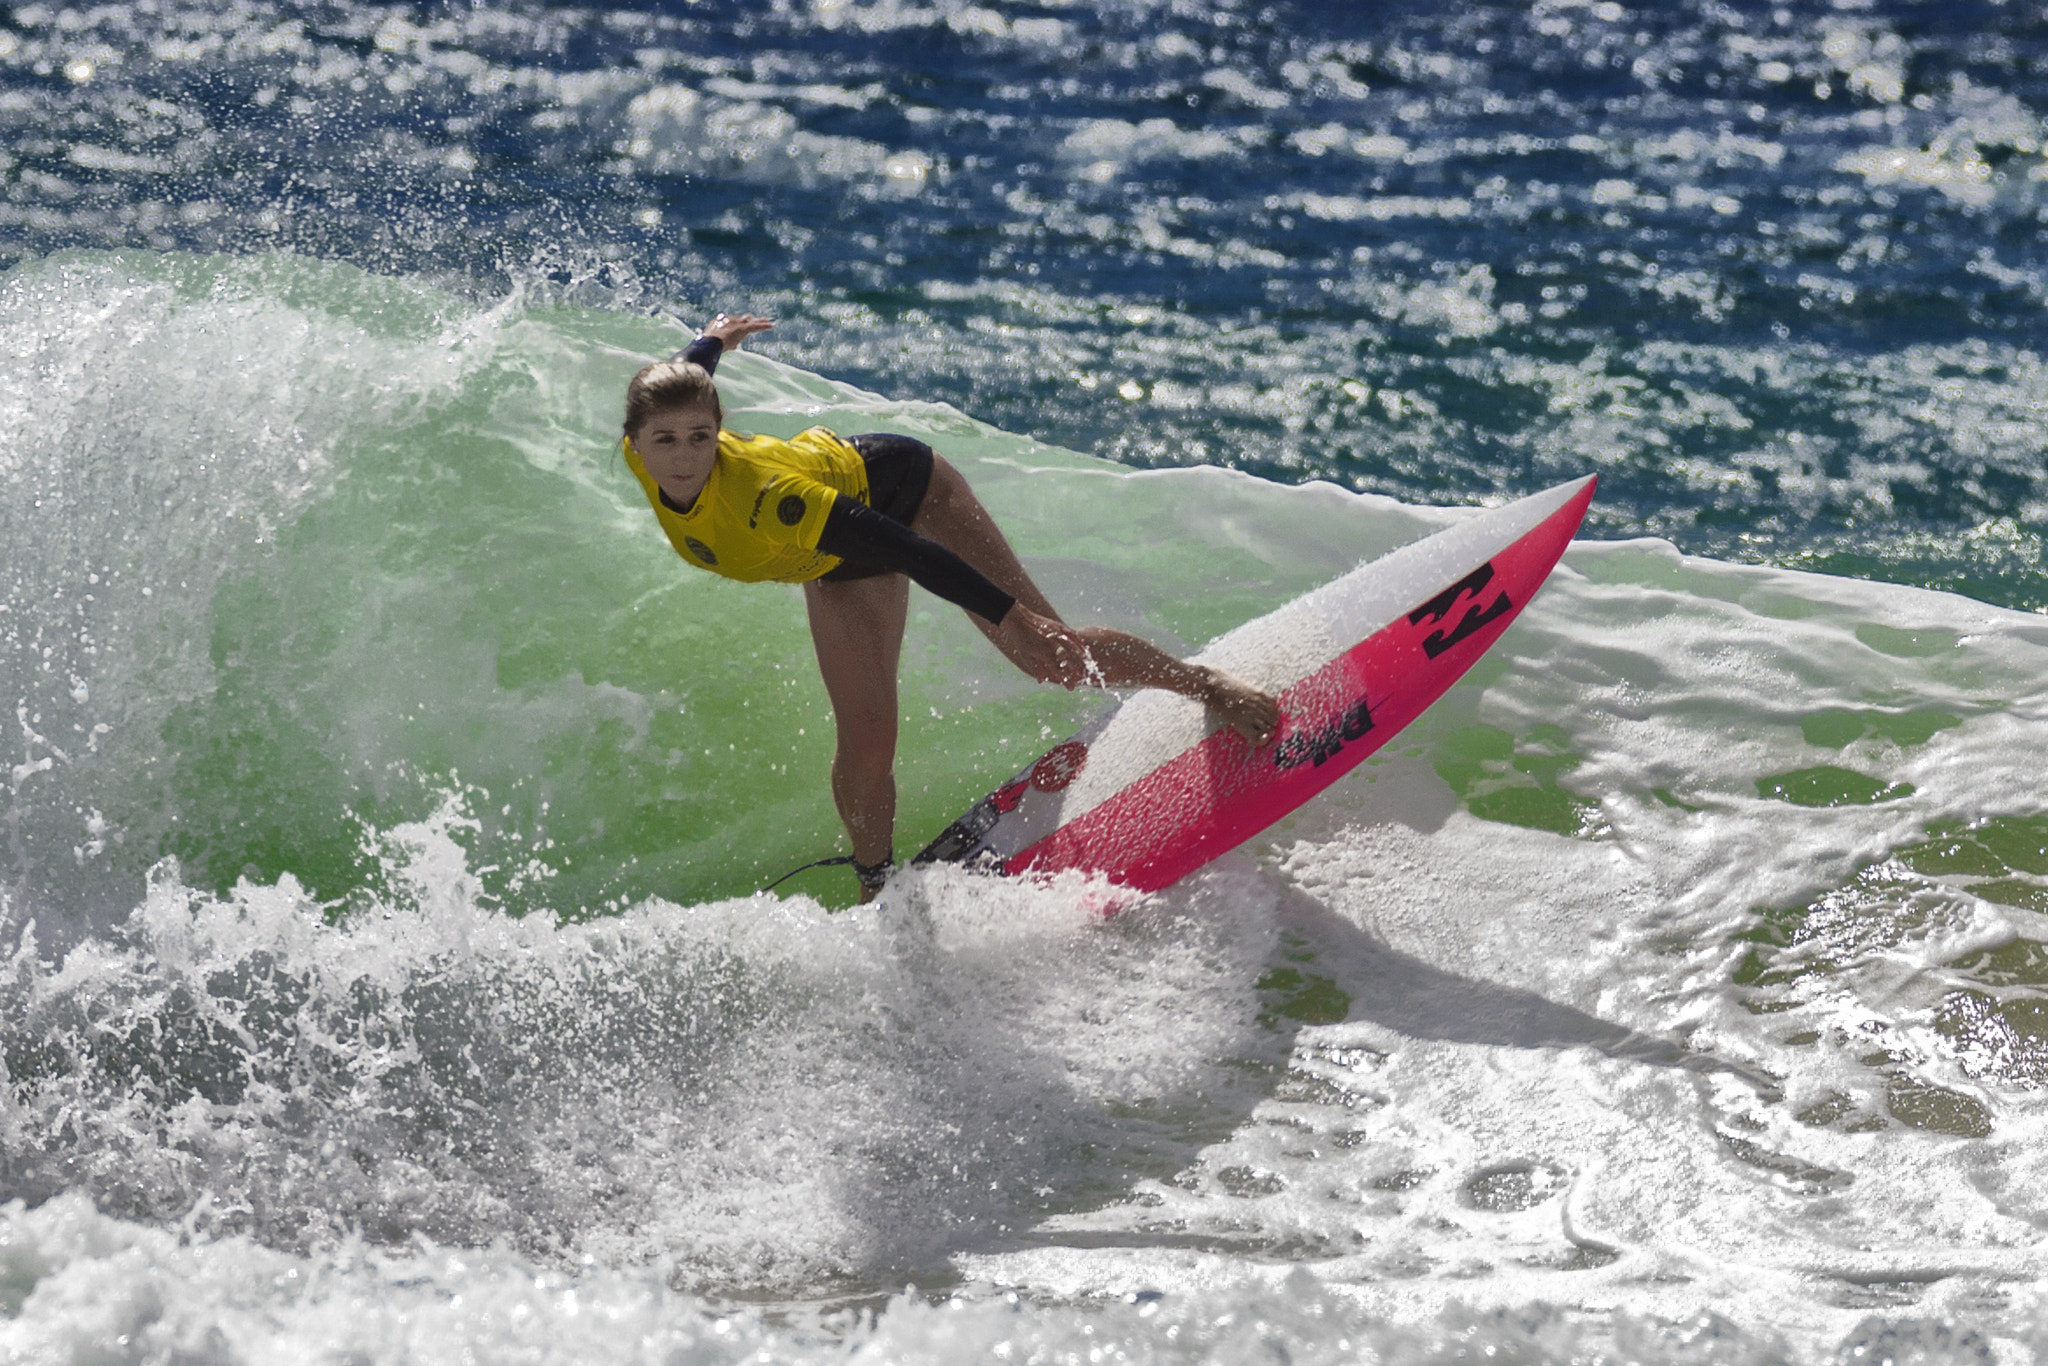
382, 974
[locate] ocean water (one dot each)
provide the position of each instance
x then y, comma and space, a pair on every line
382, 975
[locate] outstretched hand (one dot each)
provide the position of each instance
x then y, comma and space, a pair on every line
1046, 649
733, 328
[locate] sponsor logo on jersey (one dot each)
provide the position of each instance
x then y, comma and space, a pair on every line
700, 550
790, 510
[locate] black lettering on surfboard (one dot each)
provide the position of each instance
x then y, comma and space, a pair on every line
1476, 617
1319, 747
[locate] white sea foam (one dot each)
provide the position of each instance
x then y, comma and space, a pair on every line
1490, 1047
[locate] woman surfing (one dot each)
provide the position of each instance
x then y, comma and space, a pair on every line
855, 520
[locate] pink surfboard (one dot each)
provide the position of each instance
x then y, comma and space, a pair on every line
1158, 787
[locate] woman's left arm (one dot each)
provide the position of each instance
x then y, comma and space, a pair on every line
855, 531
1043, 647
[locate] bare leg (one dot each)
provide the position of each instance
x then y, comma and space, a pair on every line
955, 518
857, 630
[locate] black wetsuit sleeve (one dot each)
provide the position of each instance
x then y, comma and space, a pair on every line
704, 351
854, 531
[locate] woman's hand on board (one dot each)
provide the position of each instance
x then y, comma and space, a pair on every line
1251, 713
1044, 648
733, 328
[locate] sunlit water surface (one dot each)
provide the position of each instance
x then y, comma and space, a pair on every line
381, 977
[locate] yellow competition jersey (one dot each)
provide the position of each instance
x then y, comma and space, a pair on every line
761, 512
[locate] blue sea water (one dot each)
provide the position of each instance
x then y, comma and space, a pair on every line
380, 973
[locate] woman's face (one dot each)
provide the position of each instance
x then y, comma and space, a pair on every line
678, 445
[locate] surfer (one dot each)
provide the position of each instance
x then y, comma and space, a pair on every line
854, 520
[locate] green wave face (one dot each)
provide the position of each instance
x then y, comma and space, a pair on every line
409, 568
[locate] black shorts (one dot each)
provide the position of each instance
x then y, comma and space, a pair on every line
899, 474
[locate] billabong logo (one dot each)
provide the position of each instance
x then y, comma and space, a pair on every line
1476, 617
700, 550
1304, 747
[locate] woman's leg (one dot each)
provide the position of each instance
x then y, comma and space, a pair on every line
955, 518
857, 630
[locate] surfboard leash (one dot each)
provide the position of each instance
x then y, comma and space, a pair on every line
821, 863
871, 875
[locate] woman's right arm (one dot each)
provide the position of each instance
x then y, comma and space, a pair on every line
704, 351
723, 333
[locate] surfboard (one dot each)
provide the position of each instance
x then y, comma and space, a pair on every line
1158, 786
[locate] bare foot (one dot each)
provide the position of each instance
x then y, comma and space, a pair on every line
1253, 714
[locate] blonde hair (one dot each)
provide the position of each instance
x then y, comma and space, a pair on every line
666, 385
